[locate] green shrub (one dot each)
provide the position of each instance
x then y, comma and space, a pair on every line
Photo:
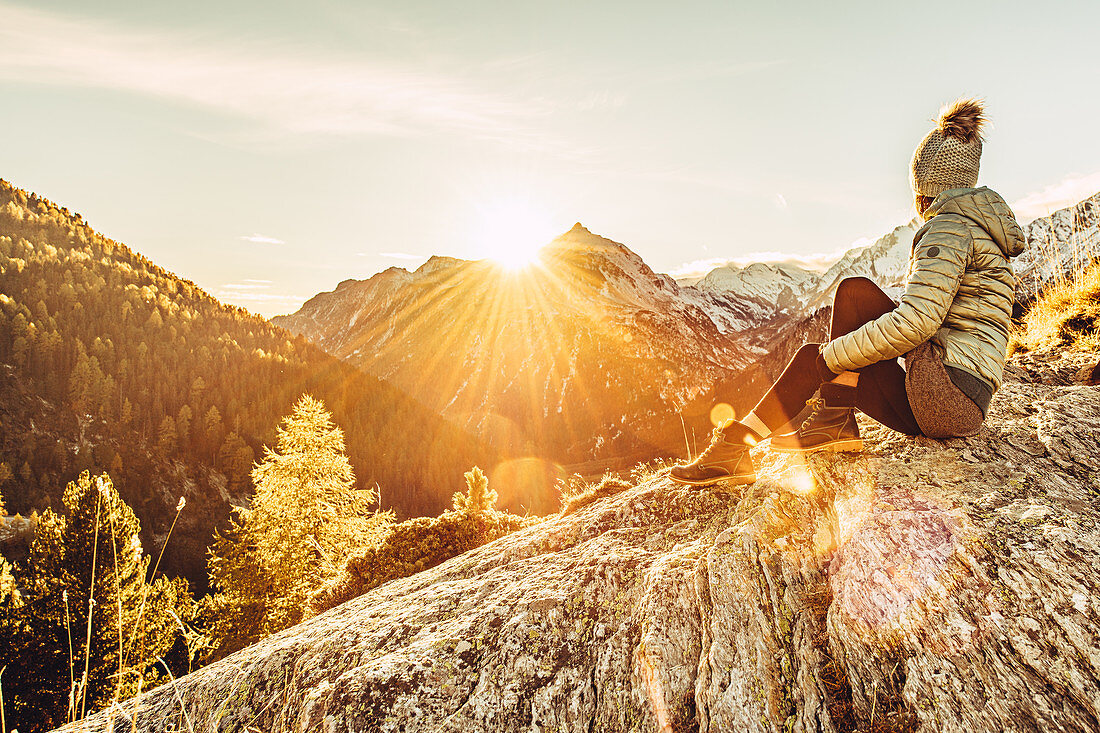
424, 542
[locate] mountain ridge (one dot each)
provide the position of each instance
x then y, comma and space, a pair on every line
590, 334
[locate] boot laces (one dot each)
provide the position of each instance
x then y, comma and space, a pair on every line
716, 436
818, 404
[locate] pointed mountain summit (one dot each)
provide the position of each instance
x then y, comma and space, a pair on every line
590, 354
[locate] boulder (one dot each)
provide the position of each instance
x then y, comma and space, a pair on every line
918, 585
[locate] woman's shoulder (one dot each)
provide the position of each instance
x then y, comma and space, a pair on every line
947, 225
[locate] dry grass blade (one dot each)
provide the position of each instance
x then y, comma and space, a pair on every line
183, 708
687, 445
91, 608
118, 599
3, 719
72, 675
1067, 313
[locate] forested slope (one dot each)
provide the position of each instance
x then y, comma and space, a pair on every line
109, 362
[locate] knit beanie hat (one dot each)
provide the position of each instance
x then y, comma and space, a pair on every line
948, 156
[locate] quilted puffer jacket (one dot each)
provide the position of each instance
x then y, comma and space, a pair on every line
959, 291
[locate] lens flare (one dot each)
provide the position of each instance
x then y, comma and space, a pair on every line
802, 481
722, 414
526, 485
654, 688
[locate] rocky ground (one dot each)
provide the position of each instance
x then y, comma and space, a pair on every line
919, 585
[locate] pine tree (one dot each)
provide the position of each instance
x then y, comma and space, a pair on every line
306, 516
87, 562
183, 424
235, 459
7, 581
478, 497
166, 440
214, 428
80, 384
116, 465
7, 589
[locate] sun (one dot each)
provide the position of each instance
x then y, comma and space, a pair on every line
511, 230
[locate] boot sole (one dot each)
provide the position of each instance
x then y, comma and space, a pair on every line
745, 478
851, 444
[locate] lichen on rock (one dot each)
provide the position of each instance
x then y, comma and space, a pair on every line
919, 585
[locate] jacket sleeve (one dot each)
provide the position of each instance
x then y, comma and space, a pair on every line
939, 261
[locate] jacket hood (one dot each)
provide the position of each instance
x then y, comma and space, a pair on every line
985, 208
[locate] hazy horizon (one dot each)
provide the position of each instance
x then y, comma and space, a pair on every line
267, 153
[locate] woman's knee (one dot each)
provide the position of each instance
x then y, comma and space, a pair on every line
861, 298
850, 286
806, 352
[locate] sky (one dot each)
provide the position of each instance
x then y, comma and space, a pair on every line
269, 150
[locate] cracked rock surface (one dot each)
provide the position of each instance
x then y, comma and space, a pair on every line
919, 585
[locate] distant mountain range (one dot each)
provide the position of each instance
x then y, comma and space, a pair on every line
593, 356
784, 289
590, 354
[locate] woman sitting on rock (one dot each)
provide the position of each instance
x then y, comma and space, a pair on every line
951, 326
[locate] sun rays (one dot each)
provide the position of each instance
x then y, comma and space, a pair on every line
497, 332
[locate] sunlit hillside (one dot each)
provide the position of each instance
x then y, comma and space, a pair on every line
110, 363
585, 354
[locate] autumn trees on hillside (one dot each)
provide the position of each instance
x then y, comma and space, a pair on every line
88, 623
109, 362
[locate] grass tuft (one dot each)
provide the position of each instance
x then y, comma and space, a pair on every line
609, 485
1066, 314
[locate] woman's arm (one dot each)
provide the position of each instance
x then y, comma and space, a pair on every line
940, 256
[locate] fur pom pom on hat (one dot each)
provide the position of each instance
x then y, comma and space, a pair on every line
948, 157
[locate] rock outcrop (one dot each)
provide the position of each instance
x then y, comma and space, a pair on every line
919, 585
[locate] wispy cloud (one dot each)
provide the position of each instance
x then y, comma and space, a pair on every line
1066, 192
397, 255
246, 285
285, 89
249, 296
261, 239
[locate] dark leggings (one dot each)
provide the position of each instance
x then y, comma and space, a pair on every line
881, 391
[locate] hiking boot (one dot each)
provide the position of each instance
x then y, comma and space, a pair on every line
723, 460
829, 427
